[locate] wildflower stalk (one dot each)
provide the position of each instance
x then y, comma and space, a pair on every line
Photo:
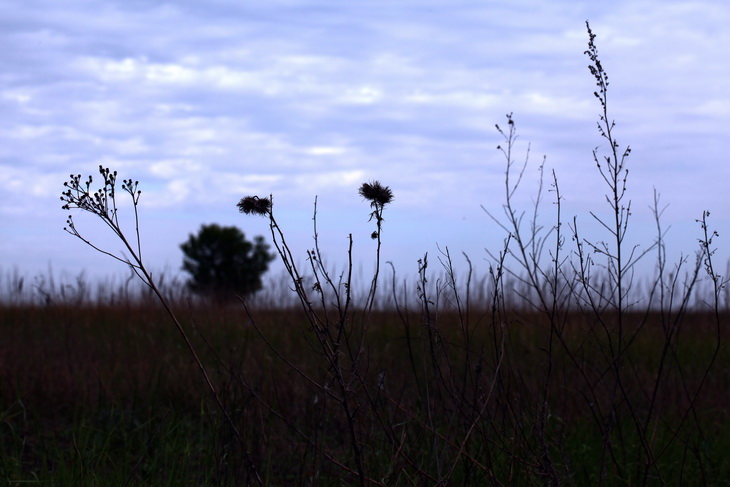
339, 345
103, 204
379, 196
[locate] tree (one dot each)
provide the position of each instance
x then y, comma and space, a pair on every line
221, 262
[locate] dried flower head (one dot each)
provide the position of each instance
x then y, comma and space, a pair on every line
255, 205
376, 193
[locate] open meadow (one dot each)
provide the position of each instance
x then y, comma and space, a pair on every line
107, 395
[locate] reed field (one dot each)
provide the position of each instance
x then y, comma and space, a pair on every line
555, 365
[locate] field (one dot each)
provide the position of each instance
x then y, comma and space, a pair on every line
106, 394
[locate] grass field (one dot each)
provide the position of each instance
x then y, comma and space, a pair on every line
100, 395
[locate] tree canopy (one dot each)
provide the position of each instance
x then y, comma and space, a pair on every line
222, 263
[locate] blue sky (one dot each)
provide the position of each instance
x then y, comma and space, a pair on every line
206, 102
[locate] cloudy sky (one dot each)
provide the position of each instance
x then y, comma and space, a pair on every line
206, 102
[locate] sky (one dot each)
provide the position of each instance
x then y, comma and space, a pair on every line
206, 102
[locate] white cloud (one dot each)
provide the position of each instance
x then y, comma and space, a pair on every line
329, 181
715, 108
325, 151
170, 169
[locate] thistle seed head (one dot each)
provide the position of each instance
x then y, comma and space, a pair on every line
376, 193
255, 205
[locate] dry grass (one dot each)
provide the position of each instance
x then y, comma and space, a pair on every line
123, 368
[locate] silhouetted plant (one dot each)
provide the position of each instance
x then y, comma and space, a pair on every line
378, 196
102, 203
338, 339
222, 263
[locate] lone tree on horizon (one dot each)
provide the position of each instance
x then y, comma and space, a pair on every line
222, 263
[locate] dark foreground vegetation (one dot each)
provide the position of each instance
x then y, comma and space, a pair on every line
555, 368
107, 396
